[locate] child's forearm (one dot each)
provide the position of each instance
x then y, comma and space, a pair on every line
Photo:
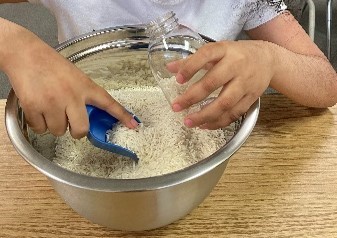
12, 1
308, 80
11, 38
18, 46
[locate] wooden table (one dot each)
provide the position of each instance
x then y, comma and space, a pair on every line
281, 183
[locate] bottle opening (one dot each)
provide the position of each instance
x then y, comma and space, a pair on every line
162, 25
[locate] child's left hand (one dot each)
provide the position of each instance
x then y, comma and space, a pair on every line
243, 71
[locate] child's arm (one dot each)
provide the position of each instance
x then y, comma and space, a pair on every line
281, 55
12, 1
52, 90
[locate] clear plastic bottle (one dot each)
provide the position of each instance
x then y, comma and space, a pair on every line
171, 41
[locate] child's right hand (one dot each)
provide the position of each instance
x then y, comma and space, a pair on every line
52, 91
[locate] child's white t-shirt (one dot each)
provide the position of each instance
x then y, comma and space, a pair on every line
217, 19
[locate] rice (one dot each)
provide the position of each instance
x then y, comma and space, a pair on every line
162, 143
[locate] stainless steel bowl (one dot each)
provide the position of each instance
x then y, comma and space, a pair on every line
136, 204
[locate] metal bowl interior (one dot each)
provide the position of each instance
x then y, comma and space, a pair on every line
104, 50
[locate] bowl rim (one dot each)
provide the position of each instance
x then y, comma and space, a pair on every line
57, 173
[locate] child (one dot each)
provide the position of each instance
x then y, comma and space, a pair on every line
279, 54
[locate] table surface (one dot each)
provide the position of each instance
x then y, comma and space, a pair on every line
281, 183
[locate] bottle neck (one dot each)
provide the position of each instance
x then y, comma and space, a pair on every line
162, 25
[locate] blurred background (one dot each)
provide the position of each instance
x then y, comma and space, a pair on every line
41, 22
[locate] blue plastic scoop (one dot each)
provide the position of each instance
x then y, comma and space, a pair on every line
99, 123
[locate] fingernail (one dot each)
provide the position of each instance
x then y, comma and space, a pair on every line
134, 123
137, 119
176, 107
180, 78
188, 122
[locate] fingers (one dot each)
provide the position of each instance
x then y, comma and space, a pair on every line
201, 59
232, 115
54, 121
103, 100
214, 79
72, 110
57, 121
230, 96
78, 120
227, 117
36, 122
174, 66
